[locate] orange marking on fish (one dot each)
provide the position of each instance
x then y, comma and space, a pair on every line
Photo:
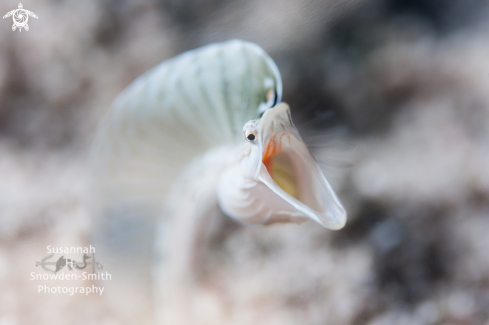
272, 149
268, 164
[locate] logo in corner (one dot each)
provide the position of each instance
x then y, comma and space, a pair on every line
70, 263
20, 17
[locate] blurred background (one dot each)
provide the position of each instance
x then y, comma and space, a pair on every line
399, 88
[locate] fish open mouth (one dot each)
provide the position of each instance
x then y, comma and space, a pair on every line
290, 170
281, 168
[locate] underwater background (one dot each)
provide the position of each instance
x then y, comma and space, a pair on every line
392, 96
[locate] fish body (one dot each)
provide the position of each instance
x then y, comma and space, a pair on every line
202, 131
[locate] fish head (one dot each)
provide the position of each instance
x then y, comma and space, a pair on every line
278, 160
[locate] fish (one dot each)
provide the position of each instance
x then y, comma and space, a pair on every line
204, 130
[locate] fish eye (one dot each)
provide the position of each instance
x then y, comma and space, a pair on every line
250, 136
250, 131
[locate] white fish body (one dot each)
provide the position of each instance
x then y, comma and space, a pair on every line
183, 138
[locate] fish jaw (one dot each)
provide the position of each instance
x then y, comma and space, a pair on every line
278, 179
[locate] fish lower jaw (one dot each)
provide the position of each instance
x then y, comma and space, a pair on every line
250, 201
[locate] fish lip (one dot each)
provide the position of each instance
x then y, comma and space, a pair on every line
321, 203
